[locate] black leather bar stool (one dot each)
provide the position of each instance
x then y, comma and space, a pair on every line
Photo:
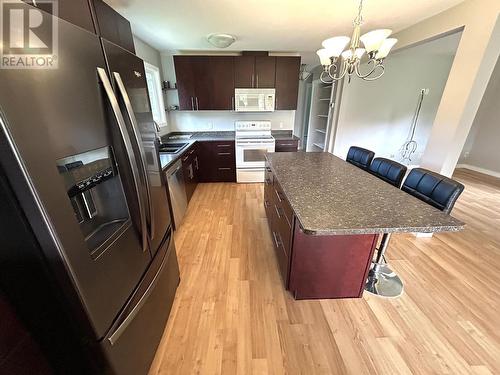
360, 157
432, 188
388, 170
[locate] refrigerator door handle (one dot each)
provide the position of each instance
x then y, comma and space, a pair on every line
115, 336
133, 120
130, 152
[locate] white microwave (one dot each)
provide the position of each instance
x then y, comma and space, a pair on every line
254, 100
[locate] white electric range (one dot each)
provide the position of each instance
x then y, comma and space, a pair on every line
253, 141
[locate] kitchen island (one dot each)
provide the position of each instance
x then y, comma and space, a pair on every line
325, 217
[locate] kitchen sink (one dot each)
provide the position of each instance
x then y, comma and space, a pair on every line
172, 148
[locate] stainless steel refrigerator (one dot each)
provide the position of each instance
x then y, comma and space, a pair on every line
87, 254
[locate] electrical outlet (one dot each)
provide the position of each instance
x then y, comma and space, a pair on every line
466, 155
281, 125
210, 125
426, 91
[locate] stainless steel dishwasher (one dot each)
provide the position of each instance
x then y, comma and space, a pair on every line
177, 189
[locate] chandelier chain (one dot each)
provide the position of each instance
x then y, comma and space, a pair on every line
359, 19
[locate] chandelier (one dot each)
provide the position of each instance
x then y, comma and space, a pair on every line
376, 45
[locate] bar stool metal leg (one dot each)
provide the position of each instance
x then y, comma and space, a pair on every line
382, 281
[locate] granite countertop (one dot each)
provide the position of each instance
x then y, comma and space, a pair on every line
284, 135
331, 196
166, 160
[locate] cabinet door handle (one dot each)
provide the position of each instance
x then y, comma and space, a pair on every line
277, 211
196, 165
197, 107
252, 80
185, 158
257, 84
192, 104
267, 204
224, 169
277, 239
278, 195
286, 144
224, 153
224, 145
232, 102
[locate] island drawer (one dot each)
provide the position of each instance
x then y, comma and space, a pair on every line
268, 177
283, 228
268, 202
281, 200
282, 257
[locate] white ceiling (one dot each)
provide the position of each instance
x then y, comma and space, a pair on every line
267, 25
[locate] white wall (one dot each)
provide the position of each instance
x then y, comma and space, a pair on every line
377, 115
475, 59
224, 120
482, 149
147, 53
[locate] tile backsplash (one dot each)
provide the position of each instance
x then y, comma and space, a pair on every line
193, 121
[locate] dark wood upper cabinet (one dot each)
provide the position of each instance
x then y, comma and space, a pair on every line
244, 71
113, 26
208, 82
185, 82
254, 71
76, 12
194, 83
202, 82
287, 82
221, 70
265, 72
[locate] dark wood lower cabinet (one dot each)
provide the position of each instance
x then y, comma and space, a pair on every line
287, 145
217, 161
19, 353
314, 266
190, 169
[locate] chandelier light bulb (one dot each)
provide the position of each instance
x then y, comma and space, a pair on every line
347, 54
336, 45
359, 52
385, 48
324, 56
374, 39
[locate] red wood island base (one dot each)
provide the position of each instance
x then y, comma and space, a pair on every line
330, 266
313, 266
325, 217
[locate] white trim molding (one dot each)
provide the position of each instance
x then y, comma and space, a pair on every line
479, 169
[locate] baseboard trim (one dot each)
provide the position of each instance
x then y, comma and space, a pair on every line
479, 169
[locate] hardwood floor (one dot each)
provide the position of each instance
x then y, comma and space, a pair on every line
232, 315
